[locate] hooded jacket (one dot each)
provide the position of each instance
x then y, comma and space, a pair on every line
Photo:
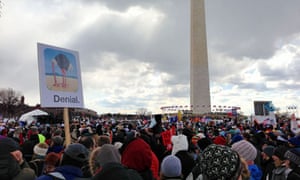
68, 172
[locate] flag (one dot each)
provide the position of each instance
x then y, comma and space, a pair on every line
166, 139
234, 112
179, 116
173, 119
269, 106
229, 113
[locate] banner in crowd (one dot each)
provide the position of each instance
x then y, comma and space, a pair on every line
166, 139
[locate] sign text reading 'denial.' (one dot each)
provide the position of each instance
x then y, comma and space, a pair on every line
68, 99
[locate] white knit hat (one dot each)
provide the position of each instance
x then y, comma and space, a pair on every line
245, 149
40, 149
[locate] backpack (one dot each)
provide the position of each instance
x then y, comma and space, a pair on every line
37, 165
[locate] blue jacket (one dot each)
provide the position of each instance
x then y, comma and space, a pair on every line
255, 172
69, 172
56, 149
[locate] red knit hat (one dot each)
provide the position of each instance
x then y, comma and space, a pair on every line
137, 155
220, 140
52, 159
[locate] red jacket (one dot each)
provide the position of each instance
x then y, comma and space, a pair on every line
155, 166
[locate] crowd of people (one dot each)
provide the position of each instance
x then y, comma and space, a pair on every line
152, 150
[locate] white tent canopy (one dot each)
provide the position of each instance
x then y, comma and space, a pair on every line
30, 116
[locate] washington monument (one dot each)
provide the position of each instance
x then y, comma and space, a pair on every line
199, 77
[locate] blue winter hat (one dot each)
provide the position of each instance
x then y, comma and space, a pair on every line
236, 138
171, 166
77, 152
295, 141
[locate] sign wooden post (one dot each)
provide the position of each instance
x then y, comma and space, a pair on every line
67, 126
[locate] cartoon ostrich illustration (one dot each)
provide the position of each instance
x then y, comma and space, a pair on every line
64, 64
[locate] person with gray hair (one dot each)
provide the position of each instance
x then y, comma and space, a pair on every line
105, 163
107, 153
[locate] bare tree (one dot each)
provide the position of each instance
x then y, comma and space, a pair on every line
9, 102
143, 112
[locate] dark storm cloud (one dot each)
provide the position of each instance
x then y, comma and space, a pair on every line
123, 5
287, 86
167, 50
251, 28
179, 92
259, 86
289, 71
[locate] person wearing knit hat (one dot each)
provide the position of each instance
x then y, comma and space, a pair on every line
75, 156
12, 164
268, 151
8, 145
38, 158
247, 151
170, 168
236, 138
220, 140
292, 162
40, 149
218, 162
107, 153
278, 157
267, 162
279, 153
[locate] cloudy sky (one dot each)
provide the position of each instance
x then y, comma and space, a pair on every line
136, 53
